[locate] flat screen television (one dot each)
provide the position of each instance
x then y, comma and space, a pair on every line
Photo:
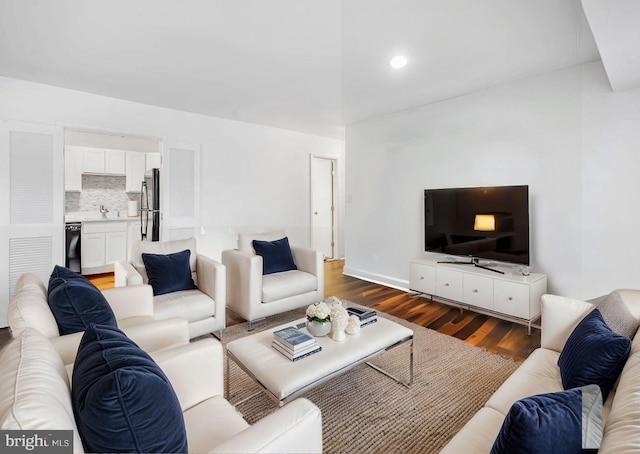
478, 223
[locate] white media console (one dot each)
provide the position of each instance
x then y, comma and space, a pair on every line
511, 295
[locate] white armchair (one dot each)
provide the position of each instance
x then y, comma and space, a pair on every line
254, 296
203, 307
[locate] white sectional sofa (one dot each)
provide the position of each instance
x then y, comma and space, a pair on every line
132, 307
540, 374
35, 394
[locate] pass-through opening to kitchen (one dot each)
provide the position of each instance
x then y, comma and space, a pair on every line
112, 197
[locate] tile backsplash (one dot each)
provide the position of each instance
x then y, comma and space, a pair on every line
97, 190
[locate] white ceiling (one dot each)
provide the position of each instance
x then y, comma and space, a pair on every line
307, 65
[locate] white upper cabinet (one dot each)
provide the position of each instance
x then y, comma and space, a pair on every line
114, 162
108, 162
73, 166
136, 164
93, 161
153, 161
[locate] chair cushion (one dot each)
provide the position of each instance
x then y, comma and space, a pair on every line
245, 239
545, 422
169, 273
276, 255
192, 305
539, 374
203, 432
593, 354
277, 286
122, 400
76, 303
35, 388
28, 307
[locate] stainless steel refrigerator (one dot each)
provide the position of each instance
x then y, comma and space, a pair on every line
150, 206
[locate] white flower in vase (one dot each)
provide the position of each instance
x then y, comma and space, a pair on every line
318, 312
318, 323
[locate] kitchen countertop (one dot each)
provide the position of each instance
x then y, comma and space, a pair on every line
96, 216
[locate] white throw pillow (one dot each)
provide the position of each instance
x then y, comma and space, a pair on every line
560, 316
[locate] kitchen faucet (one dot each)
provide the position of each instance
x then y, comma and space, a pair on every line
104, 211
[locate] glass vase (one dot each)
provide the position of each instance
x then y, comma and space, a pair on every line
318, 329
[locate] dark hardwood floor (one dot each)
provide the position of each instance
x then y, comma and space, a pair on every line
493, 334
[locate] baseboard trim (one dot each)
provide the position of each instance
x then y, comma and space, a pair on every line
399, 284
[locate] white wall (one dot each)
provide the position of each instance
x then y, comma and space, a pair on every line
252, 176
565, 134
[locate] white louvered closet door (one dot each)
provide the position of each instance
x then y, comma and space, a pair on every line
31, 204
180, 190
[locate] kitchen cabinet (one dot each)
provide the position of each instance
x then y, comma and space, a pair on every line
153, 161
107, 162
103, 242
136, 165
73, 166
92, 250
115, 246
93, 161
114, 162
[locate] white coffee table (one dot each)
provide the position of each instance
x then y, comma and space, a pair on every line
284, 380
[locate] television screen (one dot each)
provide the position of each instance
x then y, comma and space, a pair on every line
490, 223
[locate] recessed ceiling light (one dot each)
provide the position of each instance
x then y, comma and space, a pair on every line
398, 61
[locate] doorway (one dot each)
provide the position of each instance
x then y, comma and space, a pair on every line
323, 211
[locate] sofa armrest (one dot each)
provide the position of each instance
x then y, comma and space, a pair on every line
150, 336
560, 315
125, 274
154, 335
311, 261
212, 280
195, 370
130, 301
294, 428
244, 281
67, 346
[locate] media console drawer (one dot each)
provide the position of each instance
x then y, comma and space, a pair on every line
508, 295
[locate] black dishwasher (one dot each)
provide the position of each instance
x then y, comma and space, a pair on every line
72, 246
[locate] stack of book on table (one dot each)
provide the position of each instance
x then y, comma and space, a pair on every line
294, 344
365, 315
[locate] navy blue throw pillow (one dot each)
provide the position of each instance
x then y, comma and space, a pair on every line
276, 255
169, 273
543, 424
75, 302
593, 354
122, 401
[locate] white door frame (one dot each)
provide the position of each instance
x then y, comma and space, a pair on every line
312, 192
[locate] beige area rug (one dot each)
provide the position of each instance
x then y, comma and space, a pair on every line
364, 411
